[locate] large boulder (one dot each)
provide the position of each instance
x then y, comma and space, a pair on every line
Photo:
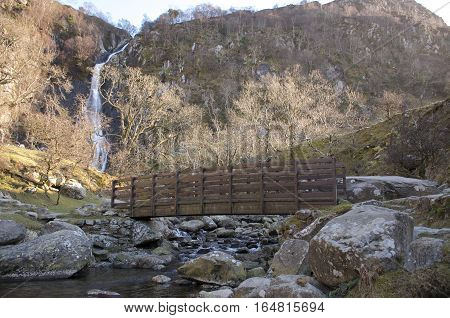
423, 253
136, 259
55, 226
73, 189
291, 258
214, 268
143, 235
361, 189
57, 255
293, 286
192, 225
11, 232
366, 239
312, 229
254, 287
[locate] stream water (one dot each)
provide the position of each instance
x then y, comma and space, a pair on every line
94, 110
136, 283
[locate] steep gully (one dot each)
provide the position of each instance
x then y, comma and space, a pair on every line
94, 111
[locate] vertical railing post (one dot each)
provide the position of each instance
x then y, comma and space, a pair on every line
132, 195
177, 181
113, 192
154, 195
202, 190
297, 201
262, 190
334, 179
230, 189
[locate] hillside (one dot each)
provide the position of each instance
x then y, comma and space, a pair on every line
423, 132
372, 46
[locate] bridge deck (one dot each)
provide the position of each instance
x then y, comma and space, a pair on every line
251, 190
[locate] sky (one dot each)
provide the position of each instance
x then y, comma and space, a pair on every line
134, 10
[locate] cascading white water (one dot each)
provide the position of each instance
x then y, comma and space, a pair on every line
94, 110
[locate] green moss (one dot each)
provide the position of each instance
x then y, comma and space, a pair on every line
18, 218
66, 205
430, 282
343, 207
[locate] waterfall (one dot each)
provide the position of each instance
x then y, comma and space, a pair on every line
94, 110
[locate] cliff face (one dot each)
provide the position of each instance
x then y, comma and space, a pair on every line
373, 46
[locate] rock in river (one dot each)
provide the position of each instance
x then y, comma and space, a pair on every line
214, 268
291, 259
293, 286
57, 255
192, 225
143, 235
367, 238
11, 232
136, 259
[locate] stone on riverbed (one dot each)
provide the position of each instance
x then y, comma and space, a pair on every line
11, 232
192, 225
220, 293
136, 259
215, 268
291, 259
143, 235
367, 238
57, 255
97, 293
161, 279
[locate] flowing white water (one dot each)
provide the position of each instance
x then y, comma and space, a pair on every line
94, 110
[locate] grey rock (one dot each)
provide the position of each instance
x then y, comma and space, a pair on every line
57, 255
135, 259
254, 287
421, 231
11, 232
256, 272
224, 221
55, 226
161, 279
104, 241
97, 293
224, 233
214, 268
293, 286
143, 235
209, 223
387, 188
368, 238
73, 189
291, 259
191, 226
220, 293
423, 253
311, 230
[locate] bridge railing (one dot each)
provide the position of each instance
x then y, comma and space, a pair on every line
258, 189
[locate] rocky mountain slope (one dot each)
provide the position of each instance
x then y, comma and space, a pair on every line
373, 46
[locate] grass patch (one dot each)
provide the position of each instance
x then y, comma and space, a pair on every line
66, 205
343, 207
25, 221
430, 282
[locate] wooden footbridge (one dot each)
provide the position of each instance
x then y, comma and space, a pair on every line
247, 190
